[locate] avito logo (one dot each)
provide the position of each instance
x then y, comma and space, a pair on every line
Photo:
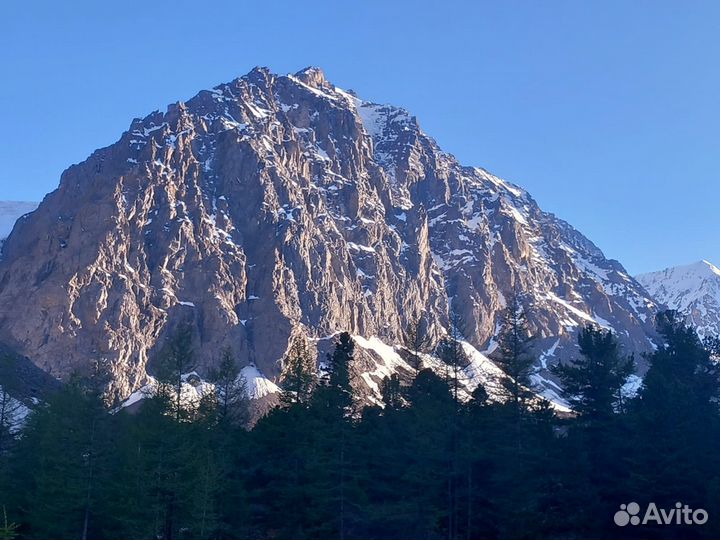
629, 514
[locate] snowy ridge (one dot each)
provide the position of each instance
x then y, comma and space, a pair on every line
693, 290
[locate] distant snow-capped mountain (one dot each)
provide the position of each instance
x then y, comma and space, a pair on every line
693, 289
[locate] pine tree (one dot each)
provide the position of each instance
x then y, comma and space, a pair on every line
137, 487
676, 419
211, 430
339, 364
159, 463
221, 415
681, 371
478, 468
593, 383
332, 404
174, 361
429, 473
391, 392
162, 447
299, 376
593, 386
514, 354
479, 397
61, 463
231, 393
416, 340
429, 394
450, 351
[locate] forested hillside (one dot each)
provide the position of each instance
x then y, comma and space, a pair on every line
426, 465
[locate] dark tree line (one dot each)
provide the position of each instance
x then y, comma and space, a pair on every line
429, 464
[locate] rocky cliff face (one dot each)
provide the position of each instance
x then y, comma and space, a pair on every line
693, 290
274, 205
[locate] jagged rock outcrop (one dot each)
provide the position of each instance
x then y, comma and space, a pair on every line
280, 204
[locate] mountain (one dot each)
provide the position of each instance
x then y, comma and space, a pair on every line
693, 289
275, 205
10, 211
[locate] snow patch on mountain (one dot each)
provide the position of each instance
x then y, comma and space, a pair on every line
257, 385
480, 371
194, 388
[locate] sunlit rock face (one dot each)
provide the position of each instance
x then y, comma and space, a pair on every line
276, 205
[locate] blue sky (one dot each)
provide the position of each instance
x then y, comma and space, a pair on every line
606, 111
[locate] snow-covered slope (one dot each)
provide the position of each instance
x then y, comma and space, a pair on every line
692, 289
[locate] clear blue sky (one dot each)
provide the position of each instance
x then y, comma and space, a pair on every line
606, 111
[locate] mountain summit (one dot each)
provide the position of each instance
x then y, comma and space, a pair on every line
278, 205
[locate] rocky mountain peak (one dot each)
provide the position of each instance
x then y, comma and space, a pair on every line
710, 269
277, 205
312, 76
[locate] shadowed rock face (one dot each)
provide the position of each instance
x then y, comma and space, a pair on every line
273, 205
